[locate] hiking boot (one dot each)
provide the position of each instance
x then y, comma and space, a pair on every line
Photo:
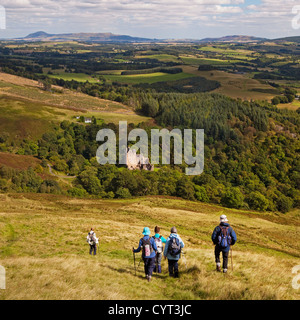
218, 267
224, 270
149, 278
176, 275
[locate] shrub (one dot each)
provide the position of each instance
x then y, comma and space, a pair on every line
200, 194
283, 203
77, 192
257, 201
233, 198
123, 193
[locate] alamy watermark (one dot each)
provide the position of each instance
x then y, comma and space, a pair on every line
296, 19
193, 153
296, 279
2, 278
2, 18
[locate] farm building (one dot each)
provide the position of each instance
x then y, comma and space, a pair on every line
87, 120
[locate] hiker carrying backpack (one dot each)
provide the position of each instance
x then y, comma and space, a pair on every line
159, 240
148, 246
172, 251
223, 237
92, 241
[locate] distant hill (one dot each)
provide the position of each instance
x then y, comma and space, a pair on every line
288, 39
234, 38
89, 37
110, 37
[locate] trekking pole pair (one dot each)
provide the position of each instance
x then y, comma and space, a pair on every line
134, 261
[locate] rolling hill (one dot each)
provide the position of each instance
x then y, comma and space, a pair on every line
234, 38
27, 111
88, 37
43, 248
109, 37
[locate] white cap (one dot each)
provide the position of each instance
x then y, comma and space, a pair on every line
223, 218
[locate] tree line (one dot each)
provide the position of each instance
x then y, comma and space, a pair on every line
251, 156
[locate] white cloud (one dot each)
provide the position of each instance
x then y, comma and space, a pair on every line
155, 18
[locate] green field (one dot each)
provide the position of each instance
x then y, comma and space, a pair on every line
44, 251
295, 105
204, 61
160, 57
115, 76
227, 51
147, 78
234, 85
80, 77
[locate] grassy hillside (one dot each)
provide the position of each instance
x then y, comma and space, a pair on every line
27, 111
43, 248
23, 88
235, 85
16, 161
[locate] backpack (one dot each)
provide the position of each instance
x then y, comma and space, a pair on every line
92, 239
224, 238
159, 244
147, 247
174, 247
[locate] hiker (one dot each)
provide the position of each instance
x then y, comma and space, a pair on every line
148, 245
172, 251
159, 253
223, 237
92, 241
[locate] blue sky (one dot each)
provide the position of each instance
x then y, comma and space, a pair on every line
152, 18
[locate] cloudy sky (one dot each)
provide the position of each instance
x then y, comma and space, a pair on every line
195, 19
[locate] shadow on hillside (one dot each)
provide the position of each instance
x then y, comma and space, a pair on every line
139, 272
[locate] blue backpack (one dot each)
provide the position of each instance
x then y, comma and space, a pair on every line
224, 238
174, 247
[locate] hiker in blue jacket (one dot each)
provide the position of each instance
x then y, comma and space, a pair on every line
159, 239
172, 251
223, 237
148, 245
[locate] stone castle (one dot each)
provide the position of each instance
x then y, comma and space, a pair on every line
137, 161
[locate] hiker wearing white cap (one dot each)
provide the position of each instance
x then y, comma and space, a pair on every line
92, 241
223, 237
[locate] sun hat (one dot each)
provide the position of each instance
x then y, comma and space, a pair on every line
146, 231
223, 218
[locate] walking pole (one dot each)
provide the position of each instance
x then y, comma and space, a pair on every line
231, 258
140, 261
134, 260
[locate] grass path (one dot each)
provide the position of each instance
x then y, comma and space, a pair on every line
43, 248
